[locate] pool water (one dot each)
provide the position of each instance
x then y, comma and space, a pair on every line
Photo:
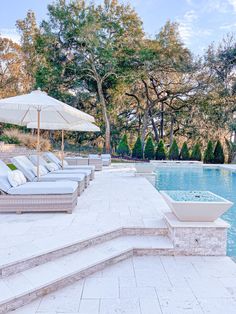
219, 181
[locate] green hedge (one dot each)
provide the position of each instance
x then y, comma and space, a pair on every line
160, 151
149, 150
138, 149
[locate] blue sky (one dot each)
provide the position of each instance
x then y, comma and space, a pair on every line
201, 21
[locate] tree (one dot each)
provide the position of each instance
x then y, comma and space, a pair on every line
219, 157
149, 150
174, 151
138, 149
13, 77
87, 48
196, 153
209, 154
123, 147
160, 151
184, 153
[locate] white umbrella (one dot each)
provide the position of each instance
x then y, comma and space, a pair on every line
81, 127
37, 107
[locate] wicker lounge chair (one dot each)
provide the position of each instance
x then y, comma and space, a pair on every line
44, 163
27, 167
50, 157
106, 159
79, 161
36, 196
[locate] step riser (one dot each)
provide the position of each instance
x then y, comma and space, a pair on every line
22, 265
61, 283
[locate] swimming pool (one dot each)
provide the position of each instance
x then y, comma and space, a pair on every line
218, 181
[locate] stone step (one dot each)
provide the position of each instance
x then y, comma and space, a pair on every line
24, 287
56, 247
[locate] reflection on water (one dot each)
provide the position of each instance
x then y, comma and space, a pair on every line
219, 181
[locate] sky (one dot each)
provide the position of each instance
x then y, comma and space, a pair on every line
201, 22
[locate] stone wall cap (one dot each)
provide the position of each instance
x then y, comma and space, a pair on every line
173, 221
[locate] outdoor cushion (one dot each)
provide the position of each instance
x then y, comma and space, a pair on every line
24, 164
16, 178
51, 157
94, 156
51, 166
33, 188
42, 170
4, 183
60, 176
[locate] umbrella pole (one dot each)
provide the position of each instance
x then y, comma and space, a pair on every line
38, 144
62, 149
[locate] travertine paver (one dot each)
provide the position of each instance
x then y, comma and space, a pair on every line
149, 285
114, 199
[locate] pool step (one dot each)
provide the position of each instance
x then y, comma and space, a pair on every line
31, 258
24, 287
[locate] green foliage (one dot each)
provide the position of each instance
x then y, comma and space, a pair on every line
184, 153
209, 154
9, 140
149, 150
196, 152
138, 149
219, 157
174, 151
11, 166
123, 147
160, 151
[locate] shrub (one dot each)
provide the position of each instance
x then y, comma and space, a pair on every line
219, 157
149, 150
174, 151
160, 151
123, 147
196, 152
138, 149
184, 153
27, 139
209, 154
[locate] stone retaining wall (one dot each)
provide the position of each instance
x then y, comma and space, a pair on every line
7, 151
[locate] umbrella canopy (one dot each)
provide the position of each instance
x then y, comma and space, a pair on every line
81, 127
37, 107
24, 109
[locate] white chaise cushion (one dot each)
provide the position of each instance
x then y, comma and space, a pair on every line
42, 170
51, 166
16, 178
46, 188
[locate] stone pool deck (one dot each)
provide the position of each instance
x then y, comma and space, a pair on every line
99, 259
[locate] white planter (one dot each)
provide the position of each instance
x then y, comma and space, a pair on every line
199, 209
143, 167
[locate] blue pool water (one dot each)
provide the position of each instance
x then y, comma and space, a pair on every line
218, 181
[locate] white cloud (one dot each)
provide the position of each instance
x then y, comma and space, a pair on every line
228, 26
186, 25
189, 28
233, 4
10, 33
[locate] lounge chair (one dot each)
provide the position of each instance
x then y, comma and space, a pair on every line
106, 159
91, 161
54, 168
30, 172
50, 157
36, 196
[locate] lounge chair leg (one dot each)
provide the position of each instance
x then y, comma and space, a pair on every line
19, 212
69, 211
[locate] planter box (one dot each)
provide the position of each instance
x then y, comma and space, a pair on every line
143, 167
196, 205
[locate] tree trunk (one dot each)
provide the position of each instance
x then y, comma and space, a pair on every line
172, 130
162, 122
156, 135
144, 126
105, 116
